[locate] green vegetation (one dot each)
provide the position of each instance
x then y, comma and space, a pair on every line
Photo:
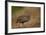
16, 9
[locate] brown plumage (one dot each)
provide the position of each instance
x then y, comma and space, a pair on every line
23, 19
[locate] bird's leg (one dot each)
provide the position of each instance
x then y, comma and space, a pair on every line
22, 24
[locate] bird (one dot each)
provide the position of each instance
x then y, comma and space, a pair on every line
22, 19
